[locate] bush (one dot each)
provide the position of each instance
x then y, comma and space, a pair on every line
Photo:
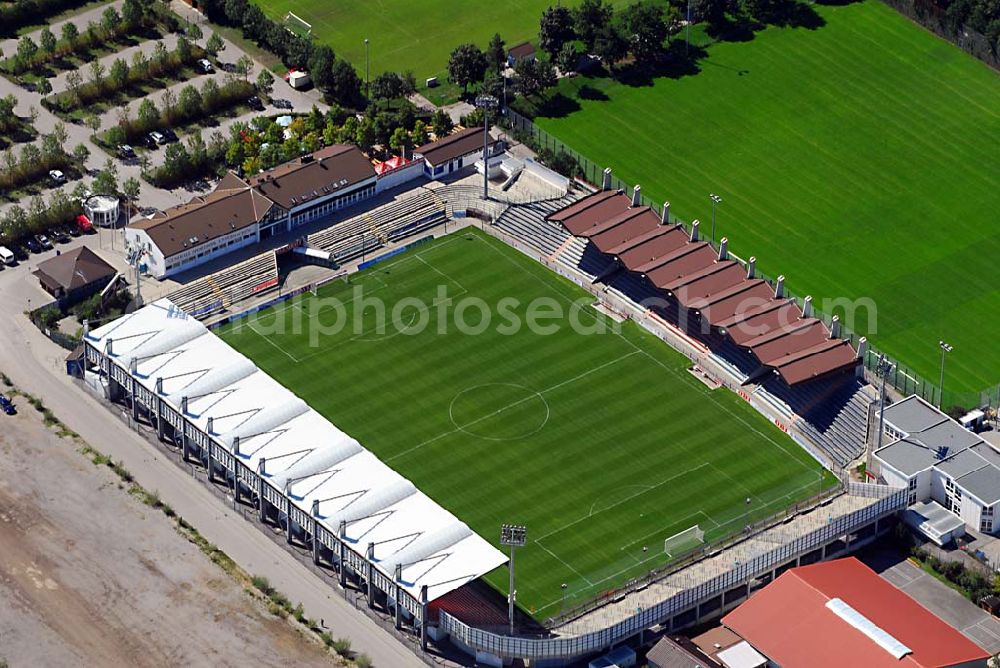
342, 646
49, 316
363, 661
262, 584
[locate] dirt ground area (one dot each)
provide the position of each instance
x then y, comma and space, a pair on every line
91, 576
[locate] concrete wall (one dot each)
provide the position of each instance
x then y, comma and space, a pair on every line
400, 176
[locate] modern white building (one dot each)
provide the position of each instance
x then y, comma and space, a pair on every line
448, 155
102, 210
938, 461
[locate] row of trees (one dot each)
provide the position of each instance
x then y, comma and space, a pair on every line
188, 106
39, 216
135, 16
983, 16
10, 122
104, 83
334, 76
33, 162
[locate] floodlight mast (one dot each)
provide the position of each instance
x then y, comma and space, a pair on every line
486, 102
882, 370
945, 349
514, 535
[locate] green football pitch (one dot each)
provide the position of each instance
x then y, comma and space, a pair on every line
860, 160
413, 35
593, 435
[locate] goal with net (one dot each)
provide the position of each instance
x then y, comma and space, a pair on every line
297, 25
684, 541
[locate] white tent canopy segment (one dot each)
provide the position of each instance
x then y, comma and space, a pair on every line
176, 366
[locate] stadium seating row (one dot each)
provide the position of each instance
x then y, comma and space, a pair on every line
218, 291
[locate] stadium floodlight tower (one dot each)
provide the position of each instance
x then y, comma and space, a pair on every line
486, 103
514, 535
715, 200
945, 349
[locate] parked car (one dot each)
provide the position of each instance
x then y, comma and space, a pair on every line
43, 241
84, 225
125, 152
255, 103
34, 246
282, 104
20, 252
7, 255
169, 136
59, 236
205, 66
156, 138
57, 176
71, 229
7, 405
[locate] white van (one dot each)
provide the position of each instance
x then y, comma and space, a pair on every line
6, 256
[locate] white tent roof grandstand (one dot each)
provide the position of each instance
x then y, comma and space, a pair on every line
297, 450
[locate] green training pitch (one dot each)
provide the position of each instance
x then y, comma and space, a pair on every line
601, 443
408, 35
860, 159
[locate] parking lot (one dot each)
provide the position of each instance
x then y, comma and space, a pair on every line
939, 598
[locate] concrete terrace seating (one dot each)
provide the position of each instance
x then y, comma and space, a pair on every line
373, 229
227, 287
527, 223
834, 417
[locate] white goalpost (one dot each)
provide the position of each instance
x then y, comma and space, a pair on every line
297, 25
684, 541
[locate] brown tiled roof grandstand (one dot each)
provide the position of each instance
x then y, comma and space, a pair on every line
315, 175
751, 312
453, 146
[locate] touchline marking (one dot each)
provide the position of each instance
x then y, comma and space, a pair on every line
276, 346
625, 500
559, 559
509, 406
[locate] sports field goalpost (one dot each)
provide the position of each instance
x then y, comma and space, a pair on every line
684, 541
296, 25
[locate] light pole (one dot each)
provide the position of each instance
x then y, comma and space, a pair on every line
687, 27
945, 349
368, 86
486, 102
715, 200
514, 535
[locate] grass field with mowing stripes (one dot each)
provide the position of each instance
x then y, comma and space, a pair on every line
601, 443
860, 159
417, 36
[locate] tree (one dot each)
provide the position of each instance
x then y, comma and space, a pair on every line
118, 75
496, 54
168, 99
214, 45
132, 15
140, 64
183, 49
589, 19
70, 33
441, 123
111, 21
400, 141
193, 31
160, 55
176, 160
610, 45
60, 135
31, 155
51, 149
265, 82
387, 86
189, 101
130, 189
94, 123
47, 41
210, 95
33, 114
73, 81
106, 181
466, 66
712, 12
81, 153
556, 29
420, 136
26, 50
320, 66
148, 115
97, 71
364, 136
43, 87
345, 84
244, 66
533, 76
645, 23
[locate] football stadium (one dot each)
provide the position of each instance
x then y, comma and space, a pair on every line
525, 428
